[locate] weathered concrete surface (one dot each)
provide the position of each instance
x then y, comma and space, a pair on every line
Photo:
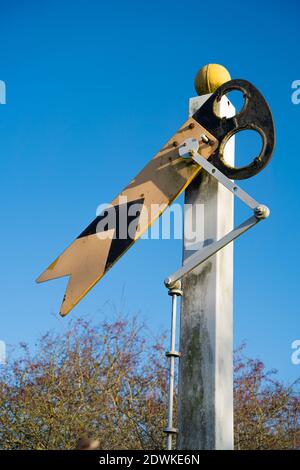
205, 418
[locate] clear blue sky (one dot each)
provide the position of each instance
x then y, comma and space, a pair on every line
93, 90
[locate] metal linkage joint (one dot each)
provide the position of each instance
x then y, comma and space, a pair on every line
189, 149
174, 288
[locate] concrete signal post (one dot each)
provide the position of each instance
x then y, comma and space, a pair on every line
205, 415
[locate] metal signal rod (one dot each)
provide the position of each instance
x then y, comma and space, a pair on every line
170, 430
